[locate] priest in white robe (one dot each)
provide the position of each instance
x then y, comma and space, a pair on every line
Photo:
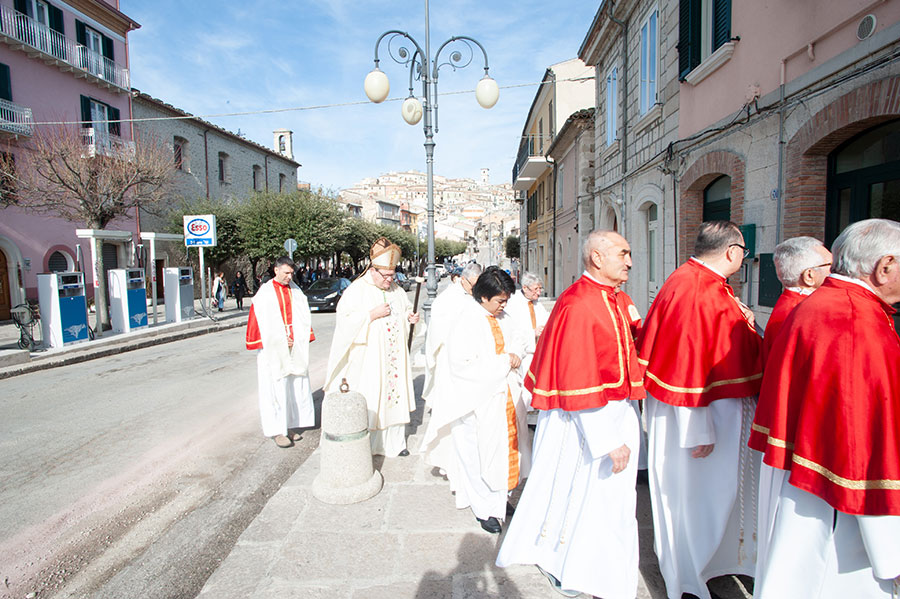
278, 329
483, 424
369, 349
529, 318
576, 519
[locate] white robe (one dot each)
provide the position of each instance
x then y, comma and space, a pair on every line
576, 519
817, 552
701, 505
467, 436
285, 400
373, 357
517, 308
770, 480
444, 314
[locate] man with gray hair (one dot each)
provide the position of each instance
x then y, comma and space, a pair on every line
827, 415
528, 318
801, 264
445, 312
704, 366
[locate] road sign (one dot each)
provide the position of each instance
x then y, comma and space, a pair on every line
200, 230
290, 246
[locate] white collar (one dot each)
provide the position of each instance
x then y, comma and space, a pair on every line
801, 290
588, 275
707, 266
847, 279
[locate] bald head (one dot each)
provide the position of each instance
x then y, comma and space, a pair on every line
607, 257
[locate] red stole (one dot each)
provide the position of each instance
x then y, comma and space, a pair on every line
283, 295
696, 344
783, 307
585, 357
829, 407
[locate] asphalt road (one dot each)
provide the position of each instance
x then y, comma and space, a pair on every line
133, 476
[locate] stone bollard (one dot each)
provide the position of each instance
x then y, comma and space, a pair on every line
346, 474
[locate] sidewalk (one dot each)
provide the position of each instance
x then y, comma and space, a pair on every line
409, 541
15, 361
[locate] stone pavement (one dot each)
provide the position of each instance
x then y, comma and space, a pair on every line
409, 541
15, 361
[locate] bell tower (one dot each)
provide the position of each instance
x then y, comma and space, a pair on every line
284, 142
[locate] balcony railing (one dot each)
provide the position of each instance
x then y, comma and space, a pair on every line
99, 142
17, 27
15, 119
526, 149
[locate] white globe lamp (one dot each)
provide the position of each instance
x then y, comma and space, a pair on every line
411, 110
487, 92
377, 86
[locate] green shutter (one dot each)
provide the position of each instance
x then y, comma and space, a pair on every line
107, 47
721, 32
23, 7
5, 84
80, 34
688, 36
86, 112
114, 115
56, 19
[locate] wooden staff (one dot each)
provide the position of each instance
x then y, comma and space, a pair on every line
412, 326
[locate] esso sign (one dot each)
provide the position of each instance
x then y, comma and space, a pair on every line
200, 230
198, 226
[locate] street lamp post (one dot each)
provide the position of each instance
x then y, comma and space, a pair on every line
425, 68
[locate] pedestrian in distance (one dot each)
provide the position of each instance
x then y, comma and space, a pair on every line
828, 418
703, 369
576, 518
369, 349
279, 330
219, 291
483, 419
239, 289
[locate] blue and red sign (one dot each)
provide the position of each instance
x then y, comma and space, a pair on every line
200, 230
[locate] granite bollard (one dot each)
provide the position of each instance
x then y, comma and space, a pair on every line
346, 474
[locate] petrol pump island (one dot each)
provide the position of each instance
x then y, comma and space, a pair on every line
63, 300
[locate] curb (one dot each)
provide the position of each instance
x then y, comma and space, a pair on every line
78, 354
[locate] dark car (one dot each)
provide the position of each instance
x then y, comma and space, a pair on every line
405, 282
325, 293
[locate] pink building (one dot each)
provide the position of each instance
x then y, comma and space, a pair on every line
60, 61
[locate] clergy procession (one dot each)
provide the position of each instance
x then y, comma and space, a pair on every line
773, 454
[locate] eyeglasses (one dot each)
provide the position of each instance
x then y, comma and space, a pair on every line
822, 265
744, 248
385, 276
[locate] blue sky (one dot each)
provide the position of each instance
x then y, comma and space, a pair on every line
209, 57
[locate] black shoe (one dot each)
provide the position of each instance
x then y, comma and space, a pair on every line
492, 525
403, 453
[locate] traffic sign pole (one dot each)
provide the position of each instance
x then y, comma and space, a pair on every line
202, 281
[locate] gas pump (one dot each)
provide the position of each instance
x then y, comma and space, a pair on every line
127, 299
178, 289
63, 308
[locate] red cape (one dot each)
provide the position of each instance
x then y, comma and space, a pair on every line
695, 342
585, 357
783, 307
283, 293
829, 409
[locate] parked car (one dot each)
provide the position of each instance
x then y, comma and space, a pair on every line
324, 294
405, 282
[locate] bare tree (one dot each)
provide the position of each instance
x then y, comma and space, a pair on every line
88, 178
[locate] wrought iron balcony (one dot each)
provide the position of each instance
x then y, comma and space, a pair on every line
15, 119
529, 165
36, 39
98, 142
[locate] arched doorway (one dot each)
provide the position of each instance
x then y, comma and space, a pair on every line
5, 296
864, 179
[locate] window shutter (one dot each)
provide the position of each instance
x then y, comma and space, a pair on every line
56, 19
86, 112
107, 47
80, 34
23, 7
688, 36
721, 32
5, 84
114, 115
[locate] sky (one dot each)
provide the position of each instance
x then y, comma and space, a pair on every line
211, 57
